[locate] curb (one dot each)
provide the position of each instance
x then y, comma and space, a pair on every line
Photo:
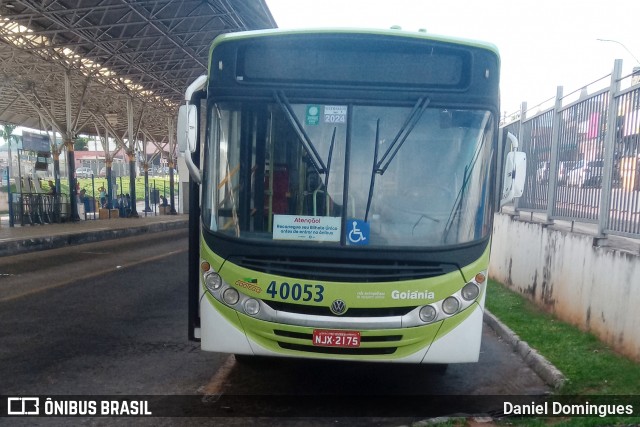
541, 366
21, 246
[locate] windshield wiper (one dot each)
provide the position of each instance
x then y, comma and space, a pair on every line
408, 125
314, 157
457, 207
373, 170
333, 140
403, 133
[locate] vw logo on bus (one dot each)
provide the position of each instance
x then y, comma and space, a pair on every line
338, 307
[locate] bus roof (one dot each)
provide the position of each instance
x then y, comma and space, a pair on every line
227, 37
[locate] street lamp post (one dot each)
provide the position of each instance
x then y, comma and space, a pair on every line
623, 46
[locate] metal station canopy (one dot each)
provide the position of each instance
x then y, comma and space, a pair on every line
75, 65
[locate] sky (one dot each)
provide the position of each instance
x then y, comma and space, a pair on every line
543, 43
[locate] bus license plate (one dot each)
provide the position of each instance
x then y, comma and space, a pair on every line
329, 338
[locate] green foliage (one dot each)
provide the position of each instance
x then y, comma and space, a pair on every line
81, 143
590, 365
161, 184
7, 130
7, 134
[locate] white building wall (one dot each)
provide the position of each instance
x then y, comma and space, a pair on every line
594, 288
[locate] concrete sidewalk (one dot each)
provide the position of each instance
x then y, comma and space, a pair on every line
20, 239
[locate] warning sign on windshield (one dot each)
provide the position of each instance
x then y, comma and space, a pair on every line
309, 228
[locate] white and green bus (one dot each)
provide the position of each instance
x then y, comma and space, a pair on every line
343, 185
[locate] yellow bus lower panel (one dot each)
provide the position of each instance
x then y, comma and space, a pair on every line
376, 344
454, 340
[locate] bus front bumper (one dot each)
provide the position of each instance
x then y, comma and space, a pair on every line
453, 340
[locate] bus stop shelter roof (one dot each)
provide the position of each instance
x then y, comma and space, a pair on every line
103, 52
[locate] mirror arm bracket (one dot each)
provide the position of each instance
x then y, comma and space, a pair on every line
193, 169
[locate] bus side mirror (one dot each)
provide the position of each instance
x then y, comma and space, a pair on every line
187, 128
515, 173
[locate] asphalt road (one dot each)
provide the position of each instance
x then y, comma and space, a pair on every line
109, 318
102, 318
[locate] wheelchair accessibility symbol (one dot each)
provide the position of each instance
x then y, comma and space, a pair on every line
357, 232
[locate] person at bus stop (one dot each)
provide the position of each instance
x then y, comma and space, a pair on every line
52, 188
103, 197
122, 205
84, 200
125, 205
163, 201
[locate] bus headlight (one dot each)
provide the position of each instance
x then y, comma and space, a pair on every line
230, 296
428, 314
213, 281
450, 305
470, 291
251, 307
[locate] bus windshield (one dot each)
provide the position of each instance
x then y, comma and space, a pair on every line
399, 176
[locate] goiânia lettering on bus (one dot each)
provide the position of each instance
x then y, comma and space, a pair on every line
395, 294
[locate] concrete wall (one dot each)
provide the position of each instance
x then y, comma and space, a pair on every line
594, 288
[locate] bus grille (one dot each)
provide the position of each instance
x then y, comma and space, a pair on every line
347, 270
361, 351
325, 311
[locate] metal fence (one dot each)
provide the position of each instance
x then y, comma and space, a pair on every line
583, 157
36, 208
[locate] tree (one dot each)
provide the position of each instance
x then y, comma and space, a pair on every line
81, 144
7, 133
